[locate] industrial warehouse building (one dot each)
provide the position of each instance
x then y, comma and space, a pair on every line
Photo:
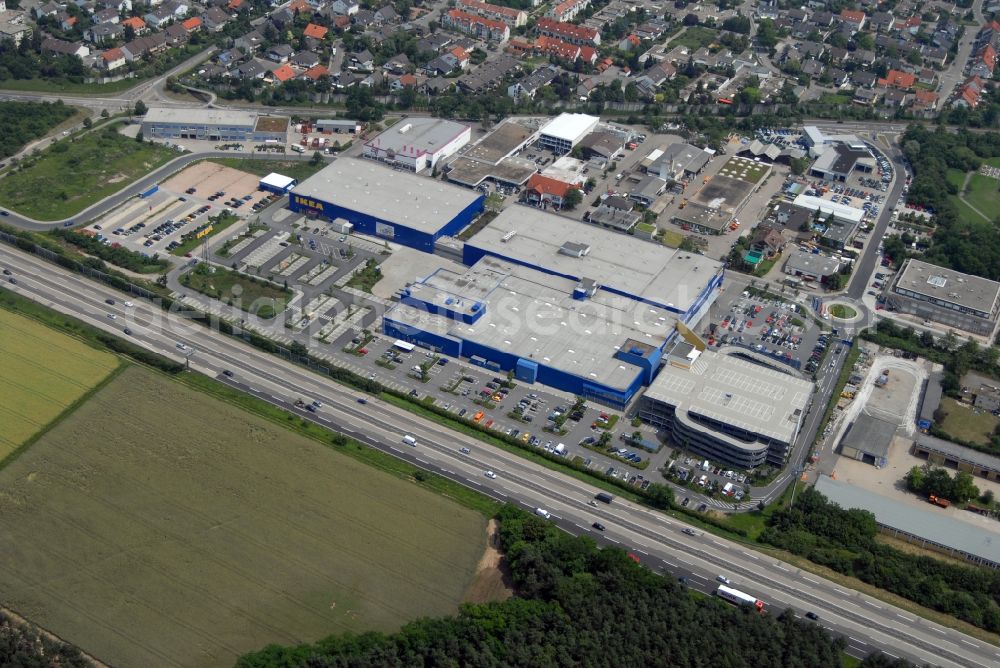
277, 183
213, 125
560, 332
868, 440
386, 203
682, 283
725, 408
418, 144
565, 131
946, 296
559, 302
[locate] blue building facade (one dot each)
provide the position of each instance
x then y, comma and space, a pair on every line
386, 229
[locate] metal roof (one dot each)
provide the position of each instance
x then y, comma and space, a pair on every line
199, 116
393, 195
570, 127
736, 392
958, 452
928, 523
870, 435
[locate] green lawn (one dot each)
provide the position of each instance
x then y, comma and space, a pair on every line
842, 311
764, 266
253, 295
46, 86
296, 169
366, 277
984, 194
75, 173
834, 99
672, 239
967, 424
956, 177
695, 37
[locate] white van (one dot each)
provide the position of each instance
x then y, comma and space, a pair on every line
541, 512
409, 440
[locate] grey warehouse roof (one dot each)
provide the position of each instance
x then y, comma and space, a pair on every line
199, 116
811, 263
417, 134
534, 316
395, 196
737, 392
958, 452
948, 285
641, 268
870, 435
926, 523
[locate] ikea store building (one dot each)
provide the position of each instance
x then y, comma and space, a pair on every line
383, 202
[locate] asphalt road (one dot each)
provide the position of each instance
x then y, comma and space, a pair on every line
865, 622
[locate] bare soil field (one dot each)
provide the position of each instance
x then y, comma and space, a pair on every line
41, 374
158, 526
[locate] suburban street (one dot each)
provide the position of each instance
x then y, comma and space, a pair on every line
865, 622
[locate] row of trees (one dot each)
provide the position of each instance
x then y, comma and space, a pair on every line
23, 646
844, 540
579, 606
936, 481
22, 122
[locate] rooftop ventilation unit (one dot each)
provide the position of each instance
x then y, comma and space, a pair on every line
508, 236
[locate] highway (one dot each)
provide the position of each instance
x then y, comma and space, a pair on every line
866, 623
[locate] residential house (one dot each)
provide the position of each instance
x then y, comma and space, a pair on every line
896, 99
386, 14
630, 42
478, 26
63, 48
568, 32
434, 43
280, 53
137, 25
928, 77
897, 79
489, 75
343, 8
767, 240
214, 19
531, 84
969, 93
515, 18
249, 42
546, 191
191, 25
363, 60
315, 31
282, 74
229, 56
881, 21
66, 22
865, 97
984, 63
14, 26
399, 63
105, 16
159, 17
363, 18
48, 9
284, 18
863, 79
176, 34
403, 81
315, 73
443, 64
567, 9
822, 19
252, 69
925, 101
145, 45
106, 32
304, 60
864, 56
461, 56
112, 59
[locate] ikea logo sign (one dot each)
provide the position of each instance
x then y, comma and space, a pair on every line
311, 203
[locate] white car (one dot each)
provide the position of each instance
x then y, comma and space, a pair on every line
181, 346
723, 579
491, 475
129, 304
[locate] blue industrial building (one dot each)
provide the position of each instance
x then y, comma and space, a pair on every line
391, 204
593, 344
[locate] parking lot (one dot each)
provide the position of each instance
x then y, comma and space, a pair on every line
181, 206
530, 414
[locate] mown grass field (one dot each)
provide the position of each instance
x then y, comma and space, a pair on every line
966, 423
75, 173
984, 194
159, 526
296, 169
42, 372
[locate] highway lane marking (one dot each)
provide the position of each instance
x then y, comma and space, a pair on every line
968, 642
718, 543
615, 541
874, 605
750, 555
782, 568
810, 580
840, 591
892, 655
933, 628
904, 617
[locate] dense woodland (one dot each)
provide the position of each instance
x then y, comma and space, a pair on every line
578, 606
22, 122
972, 247
844, 540
23, 646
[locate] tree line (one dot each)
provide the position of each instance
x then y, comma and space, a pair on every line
22, 122
844, 540
24, 646
577, 605
969, 246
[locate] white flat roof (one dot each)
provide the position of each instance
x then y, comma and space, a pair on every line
737, 392
533, 315
199, 116
618, 261
418, 135
571, 127
393, 195
826, 207
276, 180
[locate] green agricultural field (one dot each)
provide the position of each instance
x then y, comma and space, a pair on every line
253, 295
74, 173
42, 373
159, 526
